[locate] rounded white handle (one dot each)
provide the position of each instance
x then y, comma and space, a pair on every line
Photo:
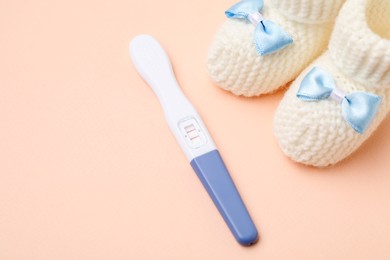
152, 63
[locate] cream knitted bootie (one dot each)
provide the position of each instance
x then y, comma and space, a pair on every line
235, 65
325, 116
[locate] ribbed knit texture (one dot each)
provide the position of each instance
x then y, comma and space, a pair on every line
234, 64
315, 133
306, 11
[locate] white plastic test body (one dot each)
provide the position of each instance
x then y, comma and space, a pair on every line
152, 63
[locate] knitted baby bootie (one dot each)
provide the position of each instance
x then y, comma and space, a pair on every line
261, 48
340, 99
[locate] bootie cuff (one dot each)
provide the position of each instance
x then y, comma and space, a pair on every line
360, 45
309, 11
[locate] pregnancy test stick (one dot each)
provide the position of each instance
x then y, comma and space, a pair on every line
152, 63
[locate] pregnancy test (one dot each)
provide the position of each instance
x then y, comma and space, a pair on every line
153, 64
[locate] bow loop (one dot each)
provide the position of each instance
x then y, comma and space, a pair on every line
317, 85
268, 37
244, 8
358, 108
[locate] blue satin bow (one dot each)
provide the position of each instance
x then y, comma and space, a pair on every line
269, 37
359, 108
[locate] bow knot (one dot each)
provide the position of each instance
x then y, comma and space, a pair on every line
255, 18
269, 37
337, 95
358, 108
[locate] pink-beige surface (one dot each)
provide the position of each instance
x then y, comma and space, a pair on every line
90, 170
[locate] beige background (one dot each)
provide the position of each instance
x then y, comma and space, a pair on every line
89, 169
